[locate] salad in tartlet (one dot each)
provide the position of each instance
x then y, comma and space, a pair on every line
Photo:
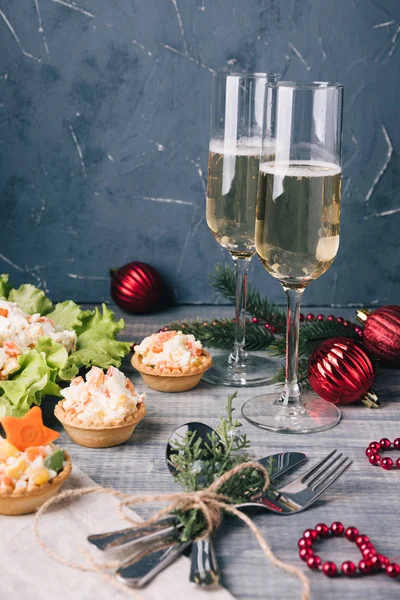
171, 361
101, 410
32, 467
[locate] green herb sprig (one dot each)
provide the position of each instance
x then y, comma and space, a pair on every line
198, 465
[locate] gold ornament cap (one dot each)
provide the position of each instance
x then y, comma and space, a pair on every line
362, 314
371, 400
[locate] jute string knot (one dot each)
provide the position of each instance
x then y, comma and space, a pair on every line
209, 502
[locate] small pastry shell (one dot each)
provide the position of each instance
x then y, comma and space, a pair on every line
22, 502
172, 380
103, 436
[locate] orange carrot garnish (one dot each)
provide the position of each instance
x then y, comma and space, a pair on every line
28, 430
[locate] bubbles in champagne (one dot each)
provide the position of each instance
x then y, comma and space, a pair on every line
298, 219
233, 169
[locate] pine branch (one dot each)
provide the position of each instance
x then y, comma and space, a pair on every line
312, 334
221, 333
223, 280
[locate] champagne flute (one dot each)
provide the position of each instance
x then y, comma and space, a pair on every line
297, 229
233, 165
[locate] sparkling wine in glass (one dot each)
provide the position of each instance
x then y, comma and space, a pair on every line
297, 229
233, 168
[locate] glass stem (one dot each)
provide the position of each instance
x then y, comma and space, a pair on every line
291, 390
239, 355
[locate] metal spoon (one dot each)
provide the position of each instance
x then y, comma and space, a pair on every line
204, 569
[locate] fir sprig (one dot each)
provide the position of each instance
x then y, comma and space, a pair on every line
198, 465
220, 333
223, 280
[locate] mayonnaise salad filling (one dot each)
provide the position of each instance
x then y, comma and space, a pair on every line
101, 399
19, 332
25, 471
172, 349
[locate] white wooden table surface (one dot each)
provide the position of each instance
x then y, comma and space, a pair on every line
366, 496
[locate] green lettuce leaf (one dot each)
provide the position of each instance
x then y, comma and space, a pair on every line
66, 315
36, 378
96, 343
31, 299
5, 287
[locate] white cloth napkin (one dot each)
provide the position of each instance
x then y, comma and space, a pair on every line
27, 572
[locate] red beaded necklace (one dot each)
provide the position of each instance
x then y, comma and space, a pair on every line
371, 561
386, 462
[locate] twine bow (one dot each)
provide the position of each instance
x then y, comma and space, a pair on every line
209, 502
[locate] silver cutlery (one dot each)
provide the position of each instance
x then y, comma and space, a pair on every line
279, 464
138, 573
306, 489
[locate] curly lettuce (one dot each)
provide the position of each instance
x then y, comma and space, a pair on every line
48, 365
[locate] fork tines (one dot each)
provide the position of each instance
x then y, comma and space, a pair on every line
326, 471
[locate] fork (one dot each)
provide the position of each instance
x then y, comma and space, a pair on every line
303, 491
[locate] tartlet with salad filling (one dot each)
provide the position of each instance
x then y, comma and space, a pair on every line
171, 361
101, 410
32, 467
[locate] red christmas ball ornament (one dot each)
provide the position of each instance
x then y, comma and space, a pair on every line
381, 333
136, 287
340, 371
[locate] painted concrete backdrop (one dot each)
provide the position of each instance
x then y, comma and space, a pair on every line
104, 109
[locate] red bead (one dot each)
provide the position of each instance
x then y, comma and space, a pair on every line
339, 319
396, 443
348, 568
205, 323
322, 530
365, 566
314, 562
310, 317
352, 533
365, 546
345, 323
375, 445
305, 553
362, 539
267, 326
393, 570
383, 560
398, 463
386, 463
370, 451
320, 318
368, 552
337, 528
255, 320
384, 443
374, 562
166, 328
215, 322
374, 459
310, 534
330, 318
304, 543
301, 317
329, 569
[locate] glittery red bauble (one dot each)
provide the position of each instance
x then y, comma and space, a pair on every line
136, 287
381, 333
340, 371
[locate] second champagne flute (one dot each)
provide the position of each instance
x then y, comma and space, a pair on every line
233, 165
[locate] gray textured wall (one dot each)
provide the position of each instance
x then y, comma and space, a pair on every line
104, 133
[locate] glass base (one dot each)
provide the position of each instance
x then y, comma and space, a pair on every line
314, 414
255, 370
